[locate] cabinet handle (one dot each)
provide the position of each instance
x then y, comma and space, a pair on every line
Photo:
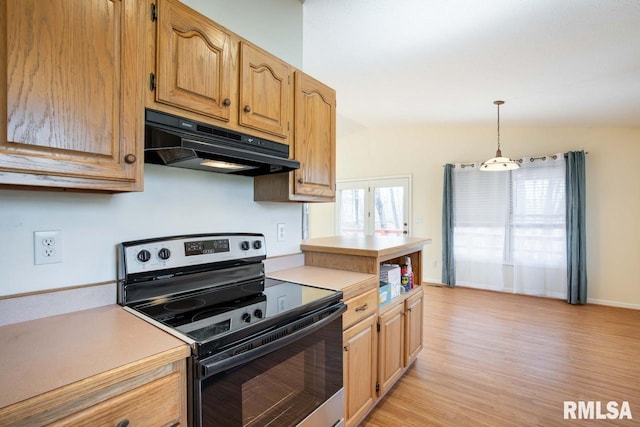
363, 307
247, 109
300, 181
346, 347
226, 102
130, 158
123, 423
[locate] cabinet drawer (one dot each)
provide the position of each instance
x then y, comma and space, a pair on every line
360, 307
158, 403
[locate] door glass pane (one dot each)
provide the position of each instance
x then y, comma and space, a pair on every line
389, 211
352, 218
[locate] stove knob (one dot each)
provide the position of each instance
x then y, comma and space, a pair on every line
244, 245
164, 254
144, 255
246, 317
257, 244
257, 313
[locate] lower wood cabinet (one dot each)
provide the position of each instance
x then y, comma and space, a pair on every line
400, 338
157, 403
413, 327
360, 350
379, 346
134, 395
391, 346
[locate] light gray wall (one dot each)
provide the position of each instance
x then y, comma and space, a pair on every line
274, 25
174, 201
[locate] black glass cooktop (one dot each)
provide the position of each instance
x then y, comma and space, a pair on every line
223, 311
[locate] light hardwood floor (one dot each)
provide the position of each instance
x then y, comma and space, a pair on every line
497, 359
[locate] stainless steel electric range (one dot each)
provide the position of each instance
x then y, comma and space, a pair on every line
264, 351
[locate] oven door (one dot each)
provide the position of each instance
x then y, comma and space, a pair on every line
295, 378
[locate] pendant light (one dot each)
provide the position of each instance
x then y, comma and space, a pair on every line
499, 163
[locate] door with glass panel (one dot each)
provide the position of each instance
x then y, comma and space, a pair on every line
373, 207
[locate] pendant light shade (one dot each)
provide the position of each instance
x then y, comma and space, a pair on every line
499, 163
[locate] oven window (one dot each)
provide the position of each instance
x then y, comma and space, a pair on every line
281, 388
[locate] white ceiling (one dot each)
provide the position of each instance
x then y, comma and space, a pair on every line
444, 62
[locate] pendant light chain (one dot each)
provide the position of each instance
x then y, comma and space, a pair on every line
498, 104
499, 163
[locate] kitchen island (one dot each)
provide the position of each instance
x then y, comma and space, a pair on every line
379, 342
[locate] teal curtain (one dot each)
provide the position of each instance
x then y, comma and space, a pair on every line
576, 229
448, 266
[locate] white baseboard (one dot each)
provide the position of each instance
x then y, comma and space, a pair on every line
436, 282
613, 303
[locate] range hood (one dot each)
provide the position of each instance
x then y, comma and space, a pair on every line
175, 141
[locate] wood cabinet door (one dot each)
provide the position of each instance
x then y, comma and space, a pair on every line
315, 138
194, 62
265, 92
413, 327
391, 346
71, 93
359, 365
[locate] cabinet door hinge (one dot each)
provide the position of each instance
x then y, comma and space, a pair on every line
377, 387
152, 81
154, 12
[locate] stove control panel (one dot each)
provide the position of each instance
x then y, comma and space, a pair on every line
229, 321
176, 252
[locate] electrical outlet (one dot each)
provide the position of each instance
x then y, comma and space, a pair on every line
281, 232
47, 247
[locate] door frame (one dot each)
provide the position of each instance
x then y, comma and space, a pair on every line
370, 184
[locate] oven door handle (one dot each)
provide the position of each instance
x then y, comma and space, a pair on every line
212, 368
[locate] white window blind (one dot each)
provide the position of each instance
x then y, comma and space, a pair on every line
509, 227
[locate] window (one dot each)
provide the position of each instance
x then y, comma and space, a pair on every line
509, 227
373, 206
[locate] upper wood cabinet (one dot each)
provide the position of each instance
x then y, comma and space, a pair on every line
314, 146
194, 59
315, 138
265, 88
71, 98
199, 69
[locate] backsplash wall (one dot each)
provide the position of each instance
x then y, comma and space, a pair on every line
175, 201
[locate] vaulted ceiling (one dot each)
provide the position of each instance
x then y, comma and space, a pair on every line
444, 62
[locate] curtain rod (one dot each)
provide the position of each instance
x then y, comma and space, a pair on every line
531, 159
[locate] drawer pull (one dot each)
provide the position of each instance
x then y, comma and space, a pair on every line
363, 307
123, 423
